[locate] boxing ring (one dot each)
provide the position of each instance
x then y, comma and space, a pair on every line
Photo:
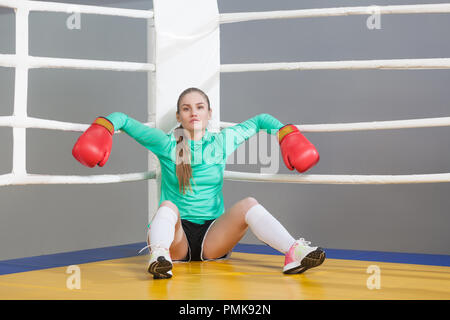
202, 31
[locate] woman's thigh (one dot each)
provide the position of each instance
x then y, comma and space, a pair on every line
227, 230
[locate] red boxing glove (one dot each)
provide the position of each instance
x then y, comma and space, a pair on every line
94, 145
297, 151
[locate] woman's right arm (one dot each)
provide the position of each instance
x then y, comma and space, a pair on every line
93, 147
153, 139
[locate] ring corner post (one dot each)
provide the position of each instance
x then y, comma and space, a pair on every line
185, 47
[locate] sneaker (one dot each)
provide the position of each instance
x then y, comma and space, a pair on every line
302, 257
160, 264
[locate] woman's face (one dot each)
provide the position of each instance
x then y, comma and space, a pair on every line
193, 112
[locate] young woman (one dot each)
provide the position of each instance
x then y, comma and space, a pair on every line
191, 223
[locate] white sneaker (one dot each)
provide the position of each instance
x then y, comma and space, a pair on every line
160, 264
301, 257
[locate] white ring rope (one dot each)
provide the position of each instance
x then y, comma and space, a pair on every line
337, 179
11, 179
30, 122
396, 64
22, 62
70, 8
15, 179
329, 12
10, 60
374, 125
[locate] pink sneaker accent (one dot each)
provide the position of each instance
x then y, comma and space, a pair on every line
301, 257
290, 255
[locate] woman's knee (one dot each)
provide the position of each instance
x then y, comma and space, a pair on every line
249, 202
244, 206
170, 204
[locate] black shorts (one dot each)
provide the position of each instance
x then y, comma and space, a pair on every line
195, 234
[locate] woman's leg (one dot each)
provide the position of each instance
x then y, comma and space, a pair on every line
229, 228
166, 231
167, 241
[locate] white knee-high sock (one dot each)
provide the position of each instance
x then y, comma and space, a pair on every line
162, 227
268, 229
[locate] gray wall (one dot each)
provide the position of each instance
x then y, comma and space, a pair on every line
44, 219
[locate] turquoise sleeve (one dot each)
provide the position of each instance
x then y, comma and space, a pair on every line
234, 136
156, 140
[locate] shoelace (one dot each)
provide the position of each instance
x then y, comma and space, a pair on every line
155, 248
144, 249
304, 242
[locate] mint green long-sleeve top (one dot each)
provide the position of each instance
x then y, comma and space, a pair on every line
208, 160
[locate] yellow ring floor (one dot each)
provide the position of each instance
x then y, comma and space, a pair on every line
242, 277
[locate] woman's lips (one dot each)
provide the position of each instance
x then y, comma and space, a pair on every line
194, 120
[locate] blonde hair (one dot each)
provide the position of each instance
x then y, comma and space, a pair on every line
183, 149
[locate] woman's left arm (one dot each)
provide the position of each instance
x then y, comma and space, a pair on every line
297, 151
234, 136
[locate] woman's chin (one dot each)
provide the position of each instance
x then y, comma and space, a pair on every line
196, 125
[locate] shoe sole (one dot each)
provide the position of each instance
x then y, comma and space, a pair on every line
160, 268
313, 259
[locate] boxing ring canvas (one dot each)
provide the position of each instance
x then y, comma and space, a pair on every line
184, 51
